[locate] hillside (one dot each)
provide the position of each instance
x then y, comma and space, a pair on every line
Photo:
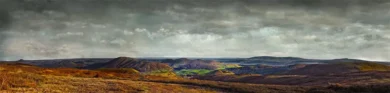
279, 59
28, 78
131, 75
339, 68
350, 73
283, 61
348, 79
66, 63
184, 63
125, 62
260, 69
270, 60
220, 73
18, 77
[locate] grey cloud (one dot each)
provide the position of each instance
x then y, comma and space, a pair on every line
195, 28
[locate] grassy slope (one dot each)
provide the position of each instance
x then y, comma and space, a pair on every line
25, 78
60, 84
193, 72
204, 71
237, 87
225, 66
367, 66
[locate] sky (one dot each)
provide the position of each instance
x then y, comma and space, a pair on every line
323, 29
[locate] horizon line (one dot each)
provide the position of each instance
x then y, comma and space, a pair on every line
171, 57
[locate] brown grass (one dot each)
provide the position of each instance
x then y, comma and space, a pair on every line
102, 73
25, 78
368, 66
235, 87
20, 79
61, 84
352, 89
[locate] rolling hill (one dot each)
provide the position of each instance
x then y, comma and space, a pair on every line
339, 68
184, 63
24, 78
126, 62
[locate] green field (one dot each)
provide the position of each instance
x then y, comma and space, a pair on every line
193, 72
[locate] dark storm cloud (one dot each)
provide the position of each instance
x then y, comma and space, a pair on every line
35, 29
5, 21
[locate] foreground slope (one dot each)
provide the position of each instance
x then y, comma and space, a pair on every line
61, 84
28, 78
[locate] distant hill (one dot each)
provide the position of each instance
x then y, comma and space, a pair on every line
195, 63
65, 63
278, 61
271, 58
126, 62
343, 60
339, 68
284, 61
349, 73
17, 77
184, 63
263, 69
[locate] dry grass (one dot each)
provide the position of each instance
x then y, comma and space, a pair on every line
72, 84
285, 76
25, 78
352, 89
19, 79
235, 87
367, 66
61, 84
34, 79
31, 79
103, 73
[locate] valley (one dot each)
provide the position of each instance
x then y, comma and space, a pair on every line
125, 74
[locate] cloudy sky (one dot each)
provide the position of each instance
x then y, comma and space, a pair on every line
47, 29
